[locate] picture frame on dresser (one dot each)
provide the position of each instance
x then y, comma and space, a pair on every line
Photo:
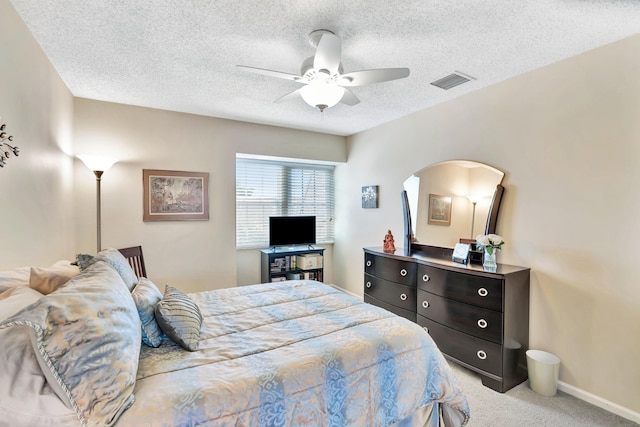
175, 195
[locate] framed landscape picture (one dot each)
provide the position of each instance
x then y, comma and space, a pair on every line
439, 210
175, 195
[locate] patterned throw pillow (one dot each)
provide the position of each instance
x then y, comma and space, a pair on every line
87, 339
146, 295
84, 260
180, 318
117, 261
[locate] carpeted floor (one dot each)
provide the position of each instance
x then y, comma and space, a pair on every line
522, 407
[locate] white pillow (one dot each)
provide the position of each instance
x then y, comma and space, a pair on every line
16, 277
25, 396
87, 340
15, 299
47, 280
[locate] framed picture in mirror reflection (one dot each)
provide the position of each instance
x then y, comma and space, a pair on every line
439, 210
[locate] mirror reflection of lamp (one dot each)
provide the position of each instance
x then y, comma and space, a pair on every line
474, 199
98, 165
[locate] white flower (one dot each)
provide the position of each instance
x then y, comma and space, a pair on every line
492, 241
482, 240
495, 239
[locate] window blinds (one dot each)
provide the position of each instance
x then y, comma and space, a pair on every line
267, 188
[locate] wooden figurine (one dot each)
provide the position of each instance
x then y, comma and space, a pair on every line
389, 245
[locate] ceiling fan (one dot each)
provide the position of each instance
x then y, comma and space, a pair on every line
324, 82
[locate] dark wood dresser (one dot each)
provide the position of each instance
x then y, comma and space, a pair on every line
479, 319
390, 283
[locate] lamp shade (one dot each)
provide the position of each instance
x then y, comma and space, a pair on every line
322, 94
97, 163
475, 198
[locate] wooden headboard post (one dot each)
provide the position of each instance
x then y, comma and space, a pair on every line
136, 260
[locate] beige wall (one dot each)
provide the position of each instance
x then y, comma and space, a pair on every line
192, 255
568, 138
36, 209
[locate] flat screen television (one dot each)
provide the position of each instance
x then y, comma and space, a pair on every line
292, 230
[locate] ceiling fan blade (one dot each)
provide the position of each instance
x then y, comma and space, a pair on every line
289, 96
328, 53
365, 77
270, 73
349, 98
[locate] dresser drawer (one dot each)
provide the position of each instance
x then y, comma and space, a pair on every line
471, 289
410, 315
473, 320
395, 270
476, 352
399, 295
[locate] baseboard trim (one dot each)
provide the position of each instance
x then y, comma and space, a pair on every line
344, 290
599, 402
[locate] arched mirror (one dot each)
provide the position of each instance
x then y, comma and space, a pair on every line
452, 200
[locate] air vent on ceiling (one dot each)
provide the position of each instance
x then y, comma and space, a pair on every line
452, 80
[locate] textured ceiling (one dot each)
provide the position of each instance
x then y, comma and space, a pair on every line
180, 55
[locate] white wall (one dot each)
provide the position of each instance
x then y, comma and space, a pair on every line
192, 255
568, 138
36, 210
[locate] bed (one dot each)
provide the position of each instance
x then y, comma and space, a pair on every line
294, 353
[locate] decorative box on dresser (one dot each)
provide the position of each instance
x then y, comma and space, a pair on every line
478, 318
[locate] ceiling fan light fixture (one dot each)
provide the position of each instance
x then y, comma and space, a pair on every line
322, 75
322, 94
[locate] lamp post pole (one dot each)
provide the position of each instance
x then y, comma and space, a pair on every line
98, 165
473, 218
98, 209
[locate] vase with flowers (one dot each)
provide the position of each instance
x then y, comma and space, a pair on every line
491, 243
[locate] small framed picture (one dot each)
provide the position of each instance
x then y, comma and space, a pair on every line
175, 195
370, 197
461, 253
439, 210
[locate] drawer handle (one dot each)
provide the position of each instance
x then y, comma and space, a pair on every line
368, 285
481, 355
403, 297
482, 323
403, 272
426, 278
425, 329
483, 292
368, 263
425, 304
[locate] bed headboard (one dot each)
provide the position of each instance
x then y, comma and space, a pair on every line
136, 260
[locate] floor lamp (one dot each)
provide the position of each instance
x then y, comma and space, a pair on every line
473, 199
98, 165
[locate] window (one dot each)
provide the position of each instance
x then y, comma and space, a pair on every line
267, 188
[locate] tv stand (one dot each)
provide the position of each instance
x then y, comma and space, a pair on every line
292, 262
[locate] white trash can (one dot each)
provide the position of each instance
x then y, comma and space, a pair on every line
543, 369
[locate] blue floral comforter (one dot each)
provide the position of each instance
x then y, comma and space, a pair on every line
296, 353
